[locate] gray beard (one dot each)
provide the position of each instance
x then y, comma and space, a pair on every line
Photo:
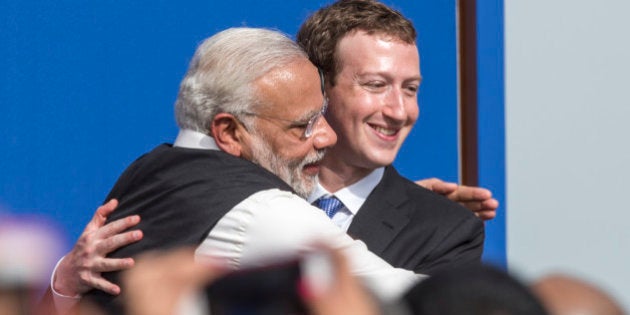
289, 171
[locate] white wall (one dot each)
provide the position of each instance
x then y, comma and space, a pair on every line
567, 127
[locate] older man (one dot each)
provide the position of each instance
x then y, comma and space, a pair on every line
250, 95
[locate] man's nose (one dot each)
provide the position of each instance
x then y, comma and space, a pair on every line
395, 105
324, 135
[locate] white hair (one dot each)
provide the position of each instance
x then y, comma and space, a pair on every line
221, 74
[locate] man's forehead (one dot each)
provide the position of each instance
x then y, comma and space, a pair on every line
297, 70
361, 43
375, 53
297, 82
378, 34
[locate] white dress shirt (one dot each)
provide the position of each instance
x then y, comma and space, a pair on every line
274, 224
352, 197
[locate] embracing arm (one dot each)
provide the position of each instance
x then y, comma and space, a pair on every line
476, 199
80, 270
275, 224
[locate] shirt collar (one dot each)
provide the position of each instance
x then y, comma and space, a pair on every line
191, 139
352, 196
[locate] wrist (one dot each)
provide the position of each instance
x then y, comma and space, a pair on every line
60, 285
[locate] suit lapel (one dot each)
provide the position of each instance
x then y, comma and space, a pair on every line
383, 214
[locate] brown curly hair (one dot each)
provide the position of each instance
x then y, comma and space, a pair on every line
320, 34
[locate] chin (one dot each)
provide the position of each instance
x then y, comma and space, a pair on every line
304, 186
381, 160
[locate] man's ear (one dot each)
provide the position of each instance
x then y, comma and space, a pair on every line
228, 133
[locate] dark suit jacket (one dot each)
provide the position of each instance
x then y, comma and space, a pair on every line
416, 229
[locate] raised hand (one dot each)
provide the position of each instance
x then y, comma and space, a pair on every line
161, 280
344, 296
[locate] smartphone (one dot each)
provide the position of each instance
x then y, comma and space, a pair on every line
272, 289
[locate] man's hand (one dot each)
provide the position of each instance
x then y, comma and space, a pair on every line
80, 270
344, 296
478, 200
159, 281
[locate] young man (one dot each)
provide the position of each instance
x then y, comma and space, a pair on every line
369, 57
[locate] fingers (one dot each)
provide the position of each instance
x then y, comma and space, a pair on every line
112, 264
476, 205
91, 277
478, 200
155, 286
469, 193
102, 264
119, 240
95, 246
437, 185
81, 268
345, 296
342, 268
109, 237
100, 216
444, 188
107, 209
200, 273
485, 210
116, 227
104, 285
486, 215
426, 183
490, 205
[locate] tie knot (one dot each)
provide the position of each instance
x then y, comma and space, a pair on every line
330, 205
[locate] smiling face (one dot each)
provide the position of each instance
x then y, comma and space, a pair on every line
291, 96
373, 104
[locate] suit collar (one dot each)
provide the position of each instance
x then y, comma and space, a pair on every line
383, 215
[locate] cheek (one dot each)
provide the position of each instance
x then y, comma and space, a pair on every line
334, 117
413, 112
358, 111
292, 151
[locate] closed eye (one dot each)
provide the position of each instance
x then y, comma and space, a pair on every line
412, 89
299, 125
374, 85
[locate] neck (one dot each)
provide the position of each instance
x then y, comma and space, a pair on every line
336, 174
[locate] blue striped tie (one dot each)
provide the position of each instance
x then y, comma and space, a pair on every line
330, 205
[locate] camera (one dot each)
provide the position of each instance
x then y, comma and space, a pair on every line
270, 289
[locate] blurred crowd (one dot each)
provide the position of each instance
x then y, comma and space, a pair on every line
173, 282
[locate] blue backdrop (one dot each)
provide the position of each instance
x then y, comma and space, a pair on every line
88, 86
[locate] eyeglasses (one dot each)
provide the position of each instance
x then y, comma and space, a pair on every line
307, 125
